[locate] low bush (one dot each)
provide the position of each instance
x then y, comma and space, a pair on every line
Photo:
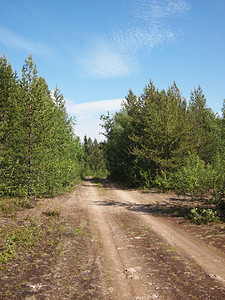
203, 216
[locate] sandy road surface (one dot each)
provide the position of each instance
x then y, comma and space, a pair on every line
108, 243
210, 259
146, 257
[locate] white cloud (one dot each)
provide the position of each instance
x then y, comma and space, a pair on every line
147, 25
11, 39
104, 62
152, 10
132, 41
88, 116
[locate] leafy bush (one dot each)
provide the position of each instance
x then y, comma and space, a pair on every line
195, 177
162, 181
219, 177
203, 216
144, 179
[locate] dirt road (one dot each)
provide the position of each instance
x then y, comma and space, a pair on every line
121, 244
149, 257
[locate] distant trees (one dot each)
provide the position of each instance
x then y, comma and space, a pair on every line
93, 159
39, 153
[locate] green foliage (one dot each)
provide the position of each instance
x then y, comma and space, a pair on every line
147, 136
219, 177
94, 161
9, 206
162, 181
161, 138
39, 154
22, 238
203, 216
195, 177
158, 140
119, 159
204, 136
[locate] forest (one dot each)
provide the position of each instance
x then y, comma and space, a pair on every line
157, 140
40, 154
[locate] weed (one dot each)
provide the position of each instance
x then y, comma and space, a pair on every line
209, 201
60, 249
51, 213
193, 296
86, 279
172, 250
203, 216
9, 206
25, 238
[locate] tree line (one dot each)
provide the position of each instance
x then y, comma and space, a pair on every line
160, 140
40, 155
157, 139
94, 164
39, 152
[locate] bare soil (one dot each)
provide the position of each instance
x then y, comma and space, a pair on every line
117, 243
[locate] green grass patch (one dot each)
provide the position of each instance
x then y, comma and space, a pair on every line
26, 237
9, 206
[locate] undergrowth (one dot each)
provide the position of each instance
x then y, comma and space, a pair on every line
9, 206
28, 244
26, 237
204, 215
52, 213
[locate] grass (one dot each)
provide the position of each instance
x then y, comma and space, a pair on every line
172, 250
27, 244
9, 206
51, 213
26, 237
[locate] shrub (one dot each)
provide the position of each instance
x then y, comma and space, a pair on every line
195, 177
162, 181
203, 216
219, 177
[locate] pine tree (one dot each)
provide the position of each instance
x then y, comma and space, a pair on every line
222, 126
28, 84
160, 141
94, 162
39, 153
10, 135
204, 130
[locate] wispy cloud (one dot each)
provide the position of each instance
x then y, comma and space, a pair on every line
93, 107
13, 40
104, 62
131, 41
153, 10
88, 115
148, 25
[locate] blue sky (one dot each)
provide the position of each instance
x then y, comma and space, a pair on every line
96, 50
